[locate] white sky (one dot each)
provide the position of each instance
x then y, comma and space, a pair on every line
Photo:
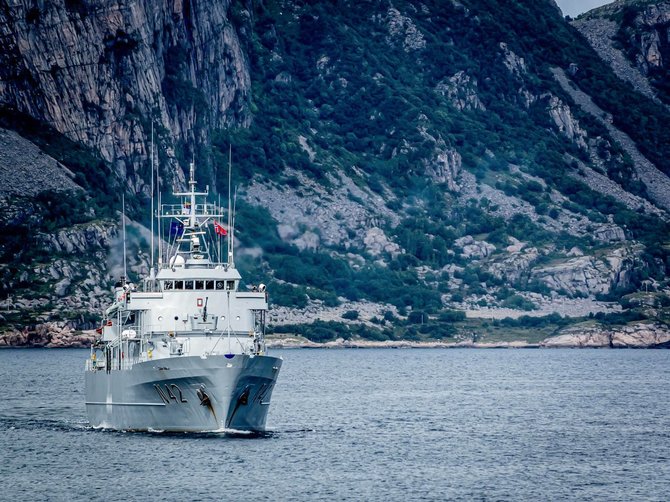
575, 7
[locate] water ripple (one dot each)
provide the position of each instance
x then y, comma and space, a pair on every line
373, 425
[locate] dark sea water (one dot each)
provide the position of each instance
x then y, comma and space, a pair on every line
364, 425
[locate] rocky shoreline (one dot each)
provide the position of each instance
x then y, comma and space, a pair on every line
51, 335
289, 342
637, 335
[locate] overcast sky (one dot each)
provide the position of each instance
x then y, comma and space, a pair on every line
575, 7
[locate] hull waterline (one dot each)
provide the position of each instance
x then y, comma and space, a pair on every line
184, 394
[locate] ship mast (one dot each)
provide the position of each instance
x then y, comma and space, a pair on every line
152, 198
192, 194
123, 223
231, 261
192, 218
152, 273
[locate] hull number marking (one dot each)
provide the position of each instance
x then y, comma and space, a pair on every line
170, 393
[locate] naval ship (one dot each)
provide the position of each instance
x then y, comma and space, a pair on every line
184, 350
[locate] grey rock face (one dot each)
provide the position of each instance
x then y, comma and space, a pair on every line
82, 238
658, 184
514, 63
645, 36
574, 274
34, 173
639, 335
566, 123
445, 167
472, 248
50, 334
403, 31
652, 23
515, 265
108, 67
588, 275
600, 34
602, 184
376, 242
461, 90
73, 275
609, 233
313, 211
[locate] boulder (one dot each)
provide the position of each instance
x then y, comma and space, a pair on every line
637, 335
472, 248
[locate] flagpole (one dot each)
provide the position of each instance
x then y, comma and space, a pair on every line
230, 162
218, 249
232, 233
123, 223
152, 274
160, 218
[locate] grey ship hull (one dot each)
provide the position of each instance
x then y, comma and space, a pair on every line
187, 393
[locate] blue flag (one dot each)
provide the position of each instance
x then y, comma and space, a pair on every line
176, 229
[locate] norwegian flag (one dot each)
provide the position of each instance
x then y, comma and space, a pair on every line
218, 229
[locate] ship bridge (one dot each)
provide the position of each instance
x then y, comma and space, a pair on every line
195, 293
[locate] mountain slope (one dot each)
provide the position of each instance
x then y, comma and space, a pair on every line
631, 36
400, 159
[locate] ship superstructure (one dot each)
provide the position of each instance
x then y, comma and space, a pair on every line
184, 350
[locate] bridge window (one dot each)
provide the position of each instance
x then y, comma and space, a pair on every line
230, 284
188, 284
167, 285
209, 284
178, 284
199, 284
219, 284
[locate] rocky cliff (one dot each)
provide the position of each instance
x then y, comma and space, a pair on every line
100, 72
632, 37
